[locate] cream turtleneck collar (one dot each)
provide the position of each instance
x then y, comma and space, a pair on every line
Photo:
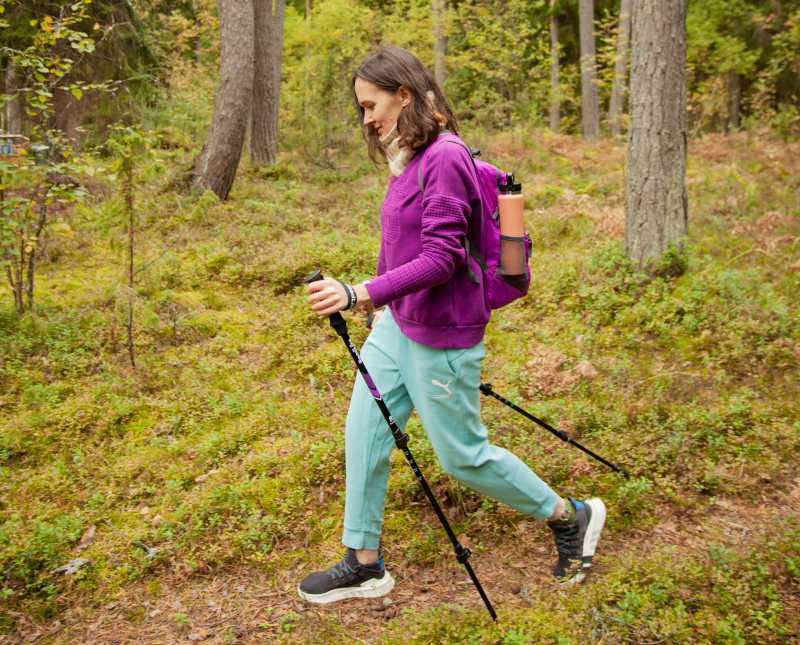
398, 157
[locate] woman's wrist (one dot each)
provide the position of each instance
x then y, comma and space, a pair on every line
362, 294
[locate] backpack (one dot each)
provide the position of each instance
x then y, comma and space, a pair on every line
501, 288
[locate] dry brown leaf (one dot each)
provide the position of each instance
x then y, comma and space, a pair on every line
145, 510
465, 541
519, 565
88, 537
795, 266
202, 478
587, 370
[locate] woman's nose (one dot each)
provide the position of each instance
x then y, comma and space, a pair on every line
368, 119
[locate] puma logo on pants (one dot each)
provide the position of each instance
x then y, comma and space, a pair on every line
449, 394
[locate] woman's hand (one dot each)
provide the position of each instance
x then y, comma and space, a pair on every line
327, 296
375, 315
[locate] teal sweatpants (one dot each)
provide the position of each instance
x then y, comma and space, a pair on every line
442, 384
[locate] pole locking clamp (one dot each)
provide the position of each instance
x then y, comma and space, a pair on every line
462, 553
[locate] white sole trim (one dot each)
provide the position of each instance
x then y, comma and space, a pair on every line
369, 589
596, 523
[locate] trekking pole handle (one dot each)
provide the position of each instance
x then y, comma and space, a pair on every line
336, 320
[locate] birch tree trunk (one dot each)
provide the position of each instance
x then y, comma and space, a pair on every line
439, 7
13, 108
215, 167
656, 207
555, 90
268, 21
617, 104
590, 101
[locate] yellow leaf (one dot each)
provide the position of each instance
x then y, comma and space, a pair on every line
28, 248
96, 26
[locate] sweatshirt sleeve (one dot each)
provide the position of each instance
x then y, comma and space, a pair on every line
447, 174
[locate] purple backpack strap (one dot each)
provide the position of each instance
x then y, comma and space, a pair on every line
469, 248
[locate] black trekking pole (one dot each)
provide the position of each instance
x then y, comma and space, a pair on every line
401, 441
486, 388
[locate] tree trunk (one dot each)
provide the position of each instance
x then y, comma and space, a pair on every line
656, 207
13, 108
439, 7
734, 100
267, 81
591, 105
617, 103
215, 167
555, 91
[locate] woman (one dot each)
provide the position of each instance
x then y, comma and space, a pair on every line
425, 350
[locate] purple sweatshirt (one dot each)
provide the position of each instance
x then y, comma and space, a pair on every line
421, 269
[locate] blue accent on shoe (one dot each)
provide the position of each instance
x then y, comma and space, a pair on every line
578, 505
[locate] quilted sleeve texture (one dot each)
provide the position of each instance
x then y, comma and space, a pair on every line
448, 178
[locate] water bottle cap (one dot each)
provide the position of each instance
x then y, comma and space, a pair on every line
511, 187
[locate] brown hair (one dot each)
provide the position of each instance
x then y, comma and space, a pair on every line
420, 122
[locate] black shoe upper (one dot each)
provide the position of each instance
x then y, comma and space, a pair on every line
348, 572
569, 541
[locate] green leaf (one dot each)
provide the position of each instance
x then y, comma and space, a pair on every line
34, 23
77, 93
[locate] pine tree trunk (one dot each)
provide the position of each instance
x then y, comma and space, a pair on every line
617, 103
590, 101
267, 81
215, 167
555, 91
734, 100
13, 108
439, 7
656, 207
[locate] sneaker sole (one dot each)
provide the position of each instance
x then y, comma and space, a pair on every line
596, 523
369, 589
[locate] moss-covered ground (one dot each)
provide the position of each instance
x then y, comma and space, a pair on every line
203, 484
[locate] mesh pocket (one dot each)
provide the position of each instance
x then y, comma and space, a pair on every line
513, 268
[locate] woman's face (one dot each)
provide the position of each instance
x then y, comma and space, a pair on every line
381, 108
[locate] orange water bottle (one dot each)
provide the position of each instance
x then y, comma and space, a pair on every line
510, 199
513, 267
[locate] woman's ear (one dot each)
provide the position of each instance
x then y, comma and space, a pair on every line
404, 95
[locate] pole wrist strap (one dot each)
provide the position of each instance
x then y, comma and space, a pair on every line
351, 295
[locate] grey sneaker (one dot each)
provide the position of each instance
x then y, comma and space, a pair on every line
576, 542
347, 579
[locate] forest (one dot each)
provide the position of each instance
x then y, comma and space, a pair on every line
172, 413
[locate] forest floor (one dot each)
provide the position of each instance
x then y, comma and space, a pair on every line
198, 488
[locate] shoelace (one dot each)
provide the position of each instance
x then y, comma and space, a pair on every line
563, 540
339, 569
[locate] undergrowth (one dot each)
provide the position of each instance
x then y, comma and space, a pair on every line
224, 448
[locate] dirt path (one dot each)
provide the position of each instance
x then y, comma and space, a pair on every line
245, 605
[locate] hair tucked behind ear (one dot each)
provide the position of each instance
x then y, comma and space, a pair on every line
421, 120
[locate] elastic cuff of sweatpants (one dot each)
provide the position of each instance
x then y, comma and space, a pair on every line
359, 540
546, 510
